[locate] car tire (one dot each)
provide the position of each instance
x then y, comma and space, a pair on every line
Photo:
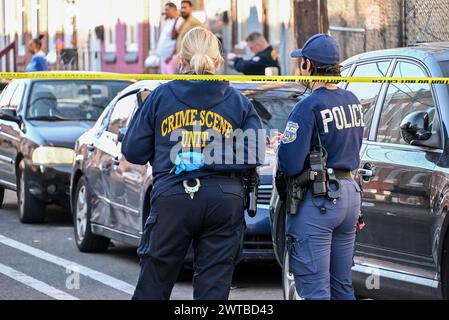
2, 196
85, 240
288, 280
445, 268
31, 210
279, 237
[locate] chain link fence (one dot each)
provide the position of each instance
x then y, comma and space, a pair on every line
426, 21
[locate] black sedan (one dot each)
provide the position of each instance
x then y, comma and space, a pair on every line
110, 197
404, 250
40, 121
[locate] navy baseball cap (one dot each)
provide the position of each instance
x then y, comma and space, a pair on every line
321, 48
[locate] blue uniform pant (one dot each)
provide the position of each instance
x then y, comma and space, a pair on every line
321, 245
213, 223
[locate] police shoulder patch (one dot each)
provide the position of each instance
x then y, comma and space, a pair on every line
291, 132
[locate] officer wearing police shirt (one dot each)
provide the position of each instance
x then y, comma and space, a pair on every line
264, 57
321, 236
194, 200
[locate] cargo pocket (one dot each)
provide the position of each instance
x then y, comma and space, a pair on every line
302, 261
145, 243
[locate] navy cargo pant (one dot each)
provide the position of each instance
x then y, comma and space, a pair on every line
321, 245
213, 222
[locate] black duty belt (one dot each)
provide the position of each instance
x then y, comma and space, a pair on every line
344, 174
232, 175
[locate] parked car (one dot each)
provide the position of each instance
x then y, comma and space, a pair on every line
39, 123
404, 250
111, 197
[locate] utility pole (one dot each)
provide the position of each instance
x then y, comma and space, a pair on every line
310, 18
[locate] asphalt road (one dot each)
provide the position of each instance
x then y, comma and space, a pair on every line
41, 262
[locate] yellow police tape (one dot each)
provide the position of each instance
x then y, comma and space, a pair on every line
231, 78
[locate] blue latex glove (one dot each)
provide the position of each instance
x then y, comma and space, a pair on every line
189, 161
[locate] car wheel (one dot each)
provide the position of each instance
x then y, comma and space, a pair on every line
31, 210
85, 239
2, 196
288, 280
445, 268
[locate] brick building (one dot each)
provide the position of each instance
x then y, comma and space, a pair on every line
118, 36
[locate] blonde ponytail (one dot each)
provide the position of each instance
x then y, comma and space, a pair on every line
201, 50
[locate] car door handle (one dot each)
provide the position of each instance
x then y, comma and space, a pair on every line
366, 173
116, 161
90, 147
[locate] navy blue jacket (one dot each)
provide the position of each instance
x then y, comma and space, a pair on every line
338, 115
191, 108
256, 66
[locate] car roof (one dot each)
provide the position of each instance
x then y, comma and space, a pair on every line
241, 86
438, 51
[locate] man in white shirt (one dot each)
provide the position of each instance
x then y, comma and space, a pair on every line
166, 47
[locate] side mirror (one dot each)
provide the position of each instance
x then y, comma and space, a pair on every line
121, 134
142, 96
415, 128
10, 115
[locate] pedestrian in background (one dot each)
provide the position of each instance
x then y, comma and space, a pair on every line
38, 61
264, 57
166, 46
189, 22
198, 203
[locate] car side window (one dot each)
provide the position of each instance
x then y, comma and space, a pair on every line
345, 72
17, 96
368, 93
402, 100
123, 110
7, 95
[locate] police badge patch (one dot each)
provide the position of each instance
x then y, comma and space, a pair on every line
290, 133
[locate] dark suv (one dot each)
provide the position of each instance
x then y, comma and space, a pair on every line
404, 250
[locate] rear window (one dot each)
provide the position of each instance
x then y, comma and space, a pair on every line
274, 108
71, 100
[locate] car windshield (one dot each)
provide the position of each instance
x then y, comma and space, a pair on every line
71, 100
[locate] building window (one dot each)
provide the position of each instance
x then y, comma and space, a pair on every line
34, 21
22, 28
131, 38
3, 18
132, 16
249, 18
110, 26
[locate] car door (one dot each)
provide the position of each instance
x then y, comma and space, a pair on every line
396, 200
369, 95
10, 133
132, 185
118, 173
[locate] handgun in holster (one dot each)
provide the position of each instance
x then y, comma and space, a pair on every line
251, 183
296, 191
